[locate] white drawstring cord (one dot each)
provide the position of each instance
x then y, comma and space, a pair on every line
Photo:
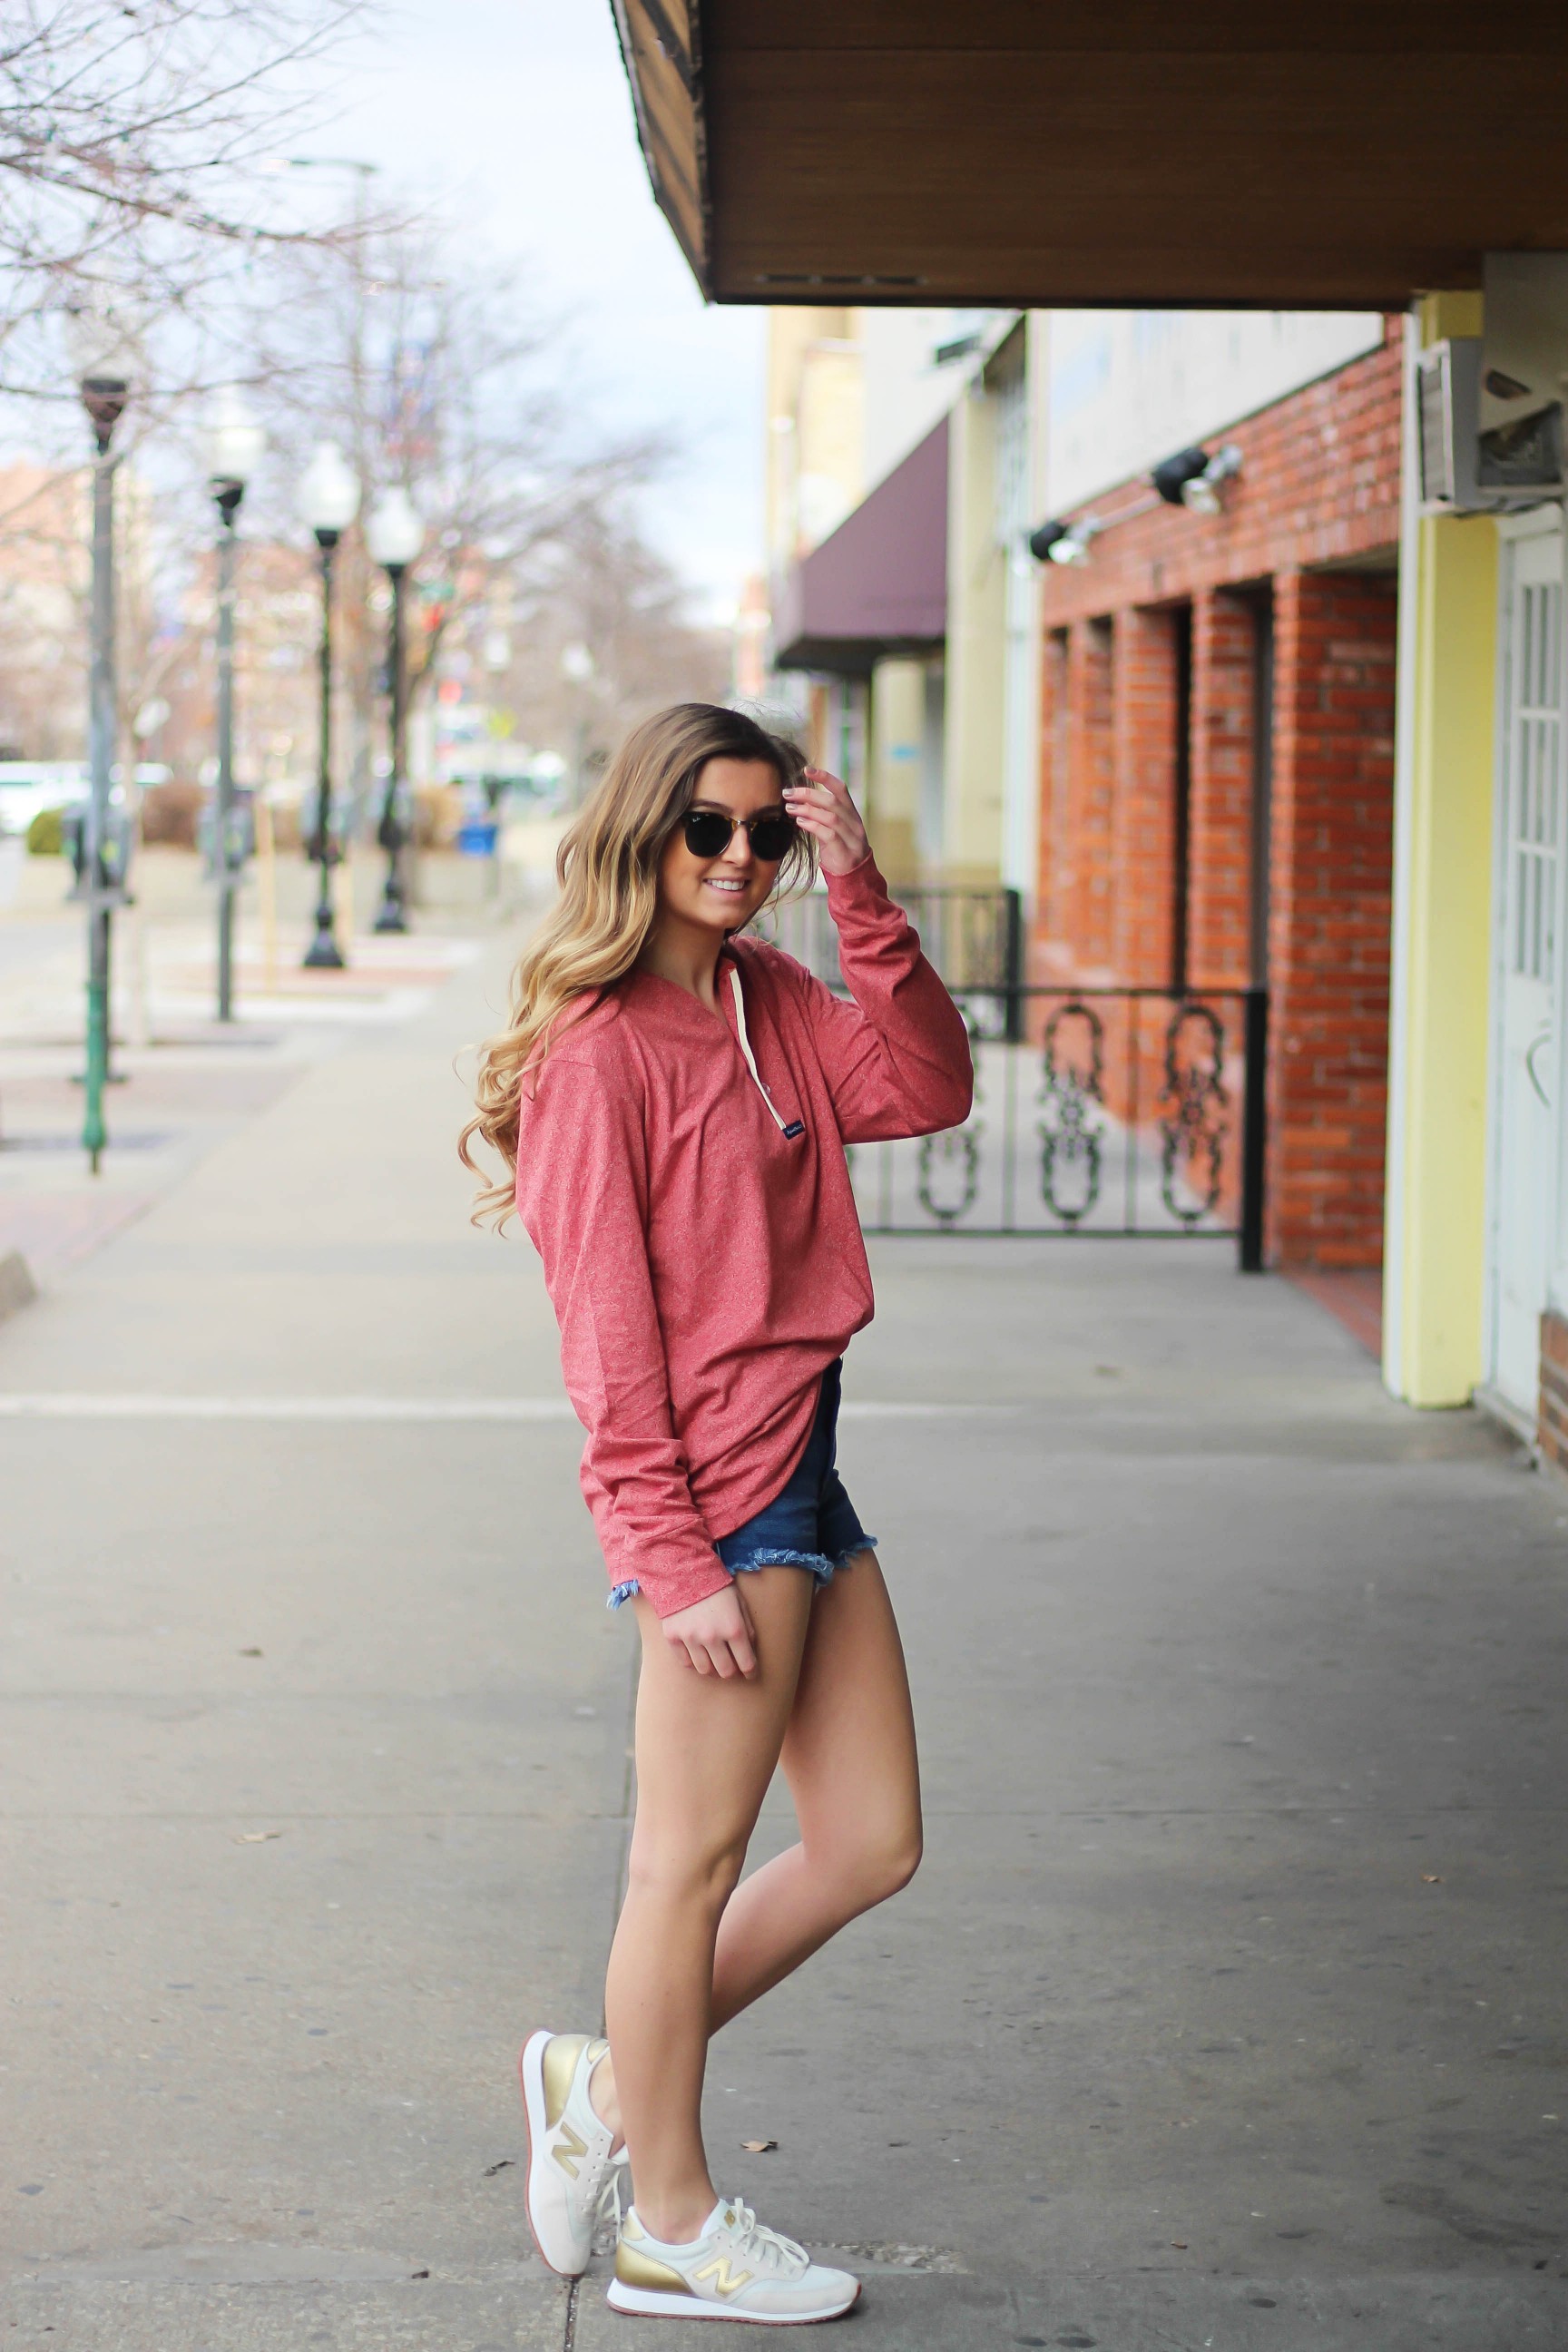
781, 1123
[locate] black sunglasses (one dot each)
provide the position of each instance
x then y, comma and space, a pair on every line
709, 833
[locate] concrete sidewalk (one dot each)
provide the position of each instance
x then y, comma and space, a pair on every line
1226, 2012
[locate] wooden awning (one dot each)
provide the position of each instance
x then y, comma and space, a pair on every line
1341, 154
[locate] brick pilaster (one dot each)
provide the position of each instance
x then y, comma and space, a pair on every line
1143, 844
1080, 807
1220, 838
1552, 1430
1054, 874
1331, 864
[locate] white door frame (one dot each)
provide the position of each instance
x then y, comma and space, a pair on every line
1512, 531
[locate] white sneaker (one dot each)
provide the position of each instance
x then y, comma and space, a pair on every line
573, 2178
735, 2270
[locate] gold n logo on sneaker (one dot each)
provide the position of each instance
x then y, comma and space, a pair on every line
725, 2281
569, 2149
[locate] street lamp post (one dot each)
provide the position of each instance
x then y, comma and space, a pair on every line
394, 535
328, 500
233, 452
578, 667
105, 355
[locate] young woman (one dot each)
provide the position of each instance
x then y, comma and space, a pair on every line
675, 1098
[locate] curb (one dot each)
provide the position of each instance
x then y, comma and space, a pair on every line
17, 1288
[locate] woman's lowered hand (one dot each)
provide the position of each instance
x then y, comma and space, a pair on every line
823, 809
716, 1634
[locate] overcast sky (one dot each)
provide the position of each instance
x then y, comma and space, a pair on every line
516, 112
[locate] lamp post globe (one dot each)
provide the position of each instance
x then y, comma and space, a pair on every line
329, 492
394, 529
328, 501
395, 533
105, 360
236, 444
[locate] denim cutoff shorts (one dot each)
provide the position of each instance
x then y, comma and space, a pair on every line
811, 1521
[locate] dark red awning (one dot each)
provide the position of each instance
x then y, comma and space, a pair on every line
878, 585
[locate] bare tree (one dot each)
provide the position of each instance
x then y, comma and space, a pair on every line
130, 138
605, 590
439, 372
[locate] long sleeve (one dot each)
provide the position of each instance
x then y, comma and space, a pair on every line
582, 1193
897, 1058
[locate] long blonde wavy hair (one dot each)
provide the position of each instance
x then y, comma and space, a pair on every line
607, 867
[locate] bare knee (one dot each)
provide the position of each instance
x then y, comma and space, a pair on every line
892, 1862
700, 1872
878, 1861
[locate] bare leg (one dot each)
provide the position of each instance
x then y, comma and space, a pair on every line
848, 1754
706, 1750
849, 1759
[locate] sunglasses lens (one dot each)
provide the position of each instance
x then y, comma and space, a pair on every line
707, 833
770, 837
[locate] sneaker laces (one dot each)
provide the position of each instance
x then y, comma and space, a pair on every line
769, 2249
606, 2193
608, 2204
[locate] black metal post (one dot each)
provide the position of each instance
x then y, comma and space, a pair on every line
1013, 1031
1254, 1133
104, 400
394, 831
1182, 812
323, 953
228, 495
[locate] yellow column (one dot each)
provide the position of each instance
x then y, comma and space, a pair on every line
1437, 1238
893, 767
976, 648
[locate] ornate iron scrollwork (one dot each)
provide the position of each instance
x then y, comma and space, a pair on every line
947, 1178
1194, 1127
1072, 1111
949, 1166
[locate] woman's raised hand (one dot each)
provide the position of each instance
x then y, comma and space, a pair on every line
822, 807
716, 1634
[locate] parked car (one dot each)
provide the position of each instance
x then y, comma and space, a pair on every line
28, 787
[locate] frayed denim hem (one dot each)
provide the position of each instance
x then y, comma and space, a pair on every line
821, 1566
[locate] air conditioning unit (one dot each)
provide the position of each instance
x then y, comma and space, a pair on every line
1465, 470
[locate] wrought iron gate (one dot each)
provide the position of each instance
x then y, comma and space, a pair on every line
1125, 1112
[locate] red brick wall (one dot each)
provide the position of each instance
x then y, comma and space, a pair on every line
1219, 852
1076, 910
1552, 1430
1055, 877
1319, 488
1143, 828
1331, 864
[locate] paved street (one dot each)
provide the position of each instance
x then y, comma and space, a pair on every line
1226, 2012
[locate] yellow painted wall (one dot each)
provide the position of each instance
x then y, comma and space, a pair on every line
1433, 1351
897, 750
976, 648
816, 427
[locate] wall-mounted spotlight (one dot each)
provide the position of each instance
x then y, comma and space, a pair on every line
1192, 478
1202, 495
1064, 543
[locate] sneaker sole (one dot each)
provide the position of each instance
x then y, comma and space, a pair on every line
648, 2303
530, 2081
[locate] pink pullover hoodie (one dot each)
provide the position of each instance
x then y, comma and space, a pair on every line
695, 1218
